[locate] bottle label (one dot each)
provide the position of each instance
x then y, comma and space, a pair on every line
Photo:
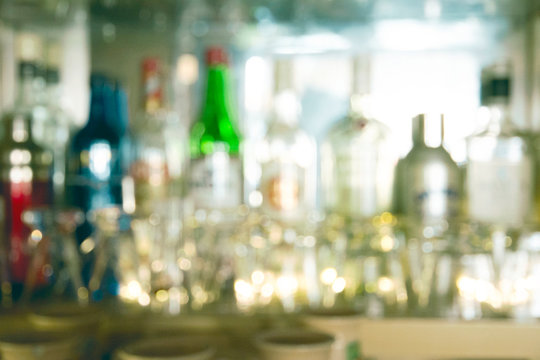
151, 181
363, 182
21, 194
282, 189
435, 193
94, 178
499, 191
216, 181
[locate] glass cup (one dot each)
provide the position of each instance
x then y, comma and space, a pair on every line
115, 268
207, 254
172, 348
55, 262
36, 345
275, 266
162, 267
344, 325
297, 344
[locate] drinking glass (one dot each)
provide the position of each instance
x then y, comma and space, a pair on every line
162, 267
208, 255
55, 265
275, 266
375, 267
115, 269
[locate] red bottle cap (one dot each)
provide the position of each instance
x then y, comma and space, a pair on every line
150, 64
216, 55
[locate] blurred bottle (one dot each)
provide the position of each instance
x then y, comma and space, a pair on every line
357, 158
94, 168
499, 178
429, 180
148, 168
26, 167
287, 155
53, 132
216, 167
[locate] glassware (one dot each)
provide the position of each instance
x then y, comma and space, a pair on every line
26, 167
152, 148
499, 179
430, 181
375, 271
208, 255
357, 158
216, 167
275, 267
95, 154
163, 271
35, 345
297, 344
55, 266
177, 348
287, 156
344, 325
115, 268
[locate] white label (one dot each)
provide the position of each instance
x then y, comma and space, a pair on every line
216, 181
499, 191
283, 188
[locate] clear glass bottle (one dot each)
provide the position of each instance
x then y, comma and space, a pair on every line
26, 167
357, 158
150, 152
214, 141
429, 179
287, 155
499, 173
55, 129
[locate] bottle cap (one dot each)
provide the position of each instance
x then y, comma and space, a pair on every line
496, 83
151, 64
428, 129
216, 55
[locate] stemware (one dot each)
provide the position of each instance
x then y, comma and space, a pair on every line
55, 265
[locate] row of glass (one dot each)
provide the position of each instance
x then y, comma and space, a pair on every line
245, 262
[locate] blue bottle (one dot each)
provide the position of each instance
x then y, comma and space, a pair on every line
94, 162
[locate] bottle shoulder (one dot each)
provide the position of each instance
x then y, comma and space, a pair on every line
355, 128
425, 154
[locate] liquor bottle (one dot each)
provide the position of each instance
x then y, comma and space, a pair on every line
430, 189
287, 155
55, 128
94, 159
149, 167
357, 158
26, 167
499, 173
216, 170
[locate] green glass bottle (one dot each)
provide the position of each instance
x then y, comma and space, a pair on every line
216, 171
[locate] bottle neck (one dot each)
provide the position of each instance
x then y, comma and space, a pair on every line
499, 117
100, 103
31, 86
216, 91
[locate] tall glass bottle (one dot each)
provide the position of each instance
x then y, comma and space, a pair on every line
216, 169
499, 177
149, 167
26, 167
429, 179
357, 158
287, 155
55, 129
94, 168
